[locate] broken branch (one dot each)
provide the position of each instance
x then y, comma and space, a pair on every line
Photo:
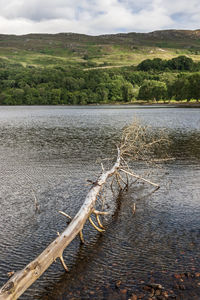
64, 214
139, 177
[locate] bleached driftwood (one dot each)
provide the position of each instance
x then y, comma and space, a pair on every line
21, 280
135, 145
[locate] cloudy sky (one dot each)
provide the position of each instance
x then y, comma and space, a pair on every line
97, 16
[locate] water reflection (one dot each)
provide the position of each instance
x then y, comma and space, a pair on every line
53, 151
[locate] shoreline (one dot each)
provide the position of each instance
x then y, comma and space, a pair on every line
136, 103
142, 102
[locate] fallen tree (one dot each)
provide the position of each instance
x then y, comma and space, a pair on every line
134, 137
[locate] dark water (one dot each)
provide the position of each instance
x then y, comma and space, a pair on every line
52, 151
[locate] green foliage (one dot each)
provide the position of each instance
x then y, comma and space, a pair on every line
185, 87
127, 91
63, 85
180, 63
154, 64
152, 90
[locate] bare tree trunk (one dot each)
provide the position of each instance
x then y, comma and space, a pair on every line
135, 145
21, 280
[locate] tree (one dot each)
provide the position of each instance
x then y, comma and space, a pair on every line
18, 96
55, 96
152, 90
6, 99
155, 64
181, 63
186, 87
145, 65
102, 93
179, 88
194, 84
127, 91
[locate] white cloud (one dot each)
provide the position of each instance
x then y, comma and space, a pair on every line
96, 16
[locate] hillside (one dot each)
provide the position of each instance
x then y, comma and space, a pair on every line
90, 51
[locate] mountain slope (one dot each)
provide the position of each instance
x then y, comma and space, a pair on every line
122, 48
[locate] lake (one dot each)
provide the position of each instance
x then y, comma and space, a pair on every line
50, 152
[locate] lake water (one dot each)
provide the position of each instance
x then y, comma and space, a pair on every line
50, 152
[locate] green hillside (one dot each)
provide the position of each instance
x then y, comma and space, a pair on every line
75, 69
98, 51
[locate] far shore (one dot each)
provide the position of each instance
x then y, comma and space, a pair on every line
172, 104
147, 103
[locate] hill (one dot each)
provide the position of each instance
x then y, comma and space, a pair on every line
93, 51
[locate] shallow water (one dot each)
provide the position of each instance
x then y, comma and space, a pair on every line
49, 152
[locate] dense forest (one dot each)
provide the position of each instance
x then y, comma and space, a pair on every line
177, 78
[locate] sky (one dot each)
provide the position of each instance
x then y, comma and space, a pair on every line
95, 17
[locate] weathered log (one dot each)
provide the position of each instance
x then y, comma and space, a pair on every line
135, 145
21, 280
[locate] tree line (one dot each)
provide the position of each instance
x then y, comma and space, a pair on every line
180, 63
64, 85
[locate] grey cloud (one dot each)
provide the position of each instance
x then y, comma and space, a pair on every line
36, 10
96, 16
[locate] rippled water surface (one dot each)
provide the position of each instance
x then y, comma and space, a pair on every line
50, 152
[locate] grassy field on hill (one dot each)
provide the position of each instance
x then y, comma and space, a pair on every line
110, 55
52, 50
